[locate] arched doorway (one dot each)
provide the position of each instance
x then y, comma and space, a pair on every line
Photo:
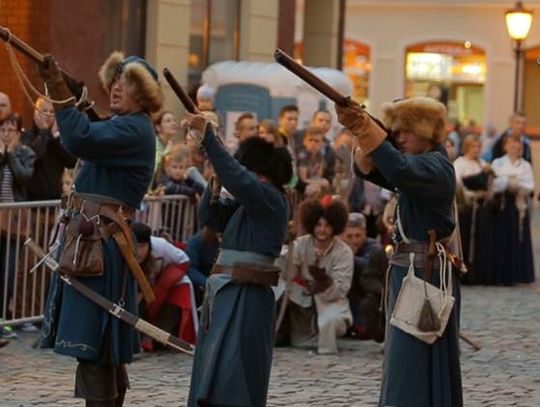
453, 72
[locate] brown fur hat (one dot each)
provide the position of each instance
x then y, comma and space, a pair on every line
421, 115
140, 77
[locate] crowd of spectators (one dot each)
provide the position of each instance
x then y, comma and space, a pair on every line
334, 259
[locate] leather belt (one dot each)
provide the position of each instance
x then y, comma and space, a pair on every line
115, 217
261, 274
77, 203
402, 247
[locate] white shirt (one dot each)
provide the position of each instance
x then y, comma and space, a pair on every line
167, 252
466, 167
520, 170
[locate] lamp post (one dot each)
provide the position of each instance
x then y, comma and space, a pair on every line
518, 24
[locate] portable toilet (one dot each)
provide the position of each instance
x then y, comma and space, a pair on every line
264, 88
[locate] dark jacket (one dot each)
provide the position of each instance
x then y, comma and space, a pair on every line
51, 160
21, 164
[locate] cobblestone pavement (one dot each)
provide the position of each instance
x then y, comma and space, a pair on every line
506, 372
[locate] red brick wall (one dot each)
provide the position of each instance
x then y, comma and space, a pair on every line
78, 41
29, 20
80, 34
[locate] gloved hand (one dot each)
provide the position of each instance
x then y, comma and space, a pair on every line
318, 273
352, 116
56, 85
368, 134
49, 70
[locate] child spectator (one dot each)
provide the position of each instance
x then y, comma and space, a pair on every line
172, 178
311, 163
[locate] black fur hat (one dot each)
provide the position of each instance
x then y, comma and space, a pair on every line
263, 158
336, 214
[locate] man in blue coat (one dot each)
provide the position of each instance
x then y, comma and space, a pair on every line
118, 161
417, 168
234, 347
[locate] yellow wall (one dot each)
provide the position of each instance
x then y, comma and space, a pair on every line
389, 27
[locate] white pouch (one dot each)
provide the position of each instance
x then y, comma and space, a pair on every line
412, 296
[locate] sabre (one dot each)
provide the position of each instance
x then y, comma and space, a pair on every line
114, 309
75, 86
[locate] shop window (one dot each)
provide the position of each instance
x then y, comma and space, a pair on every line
357, 65
452, 72
214, 35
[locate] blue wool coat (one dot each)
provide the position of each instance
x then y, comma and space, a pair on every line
417, 374
118, 159
234, 355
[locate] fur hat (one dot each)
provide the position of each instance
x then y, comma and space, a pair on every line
141, 79
423, 116
335, 213
262, 158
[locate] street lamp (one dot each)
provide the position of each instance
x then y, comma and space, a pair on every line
518, 24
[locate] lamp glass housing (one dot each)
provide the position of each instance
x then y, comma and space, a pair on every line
518, 23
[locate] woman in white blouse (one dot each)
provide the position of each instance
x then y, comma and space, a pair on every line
472, 177
513, 185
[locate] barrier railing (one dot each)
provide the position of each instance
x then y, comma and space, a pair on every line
23, 294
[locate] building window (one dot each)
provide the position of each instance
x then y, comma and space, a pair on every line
214, 35
357, 66
451, 72
126, 26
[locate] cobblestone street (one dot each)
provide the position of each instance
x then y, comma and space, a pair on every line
506, 372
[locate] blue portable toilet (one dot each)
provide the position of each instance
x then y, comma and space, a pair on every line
264, 88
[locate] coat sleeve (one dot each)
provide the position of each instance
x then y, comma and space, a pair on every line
112, 139
216, 215
21, 164
423, 177
194, 251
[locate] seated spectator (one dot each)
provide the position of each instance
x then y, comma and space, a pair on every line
205, 98
165, 266
318, 306
202, 250
355, 235
245, 126
323, 120
16, 168
166, 128
288, 126
269, 132
343, 181
172, 178
311, 163
5, 106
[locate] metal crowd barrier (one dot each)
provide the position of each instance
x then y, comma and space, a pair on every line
23, 294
